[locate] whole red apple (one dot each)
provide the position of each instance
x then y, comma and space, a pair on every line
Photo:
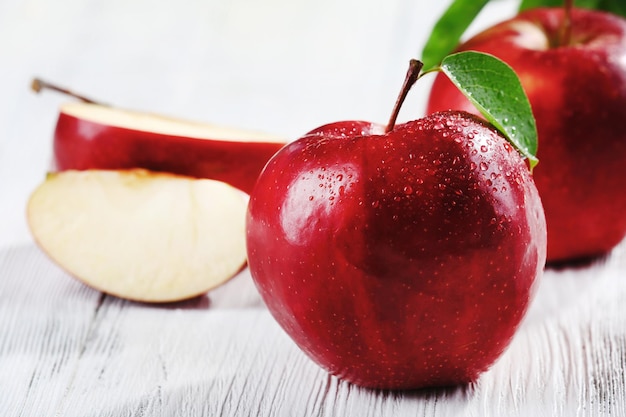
93, 136
575, 79
398, 260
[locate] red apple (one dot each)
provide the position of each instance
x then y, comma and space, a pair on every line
93, 136
398, 260
576, 84
140, 235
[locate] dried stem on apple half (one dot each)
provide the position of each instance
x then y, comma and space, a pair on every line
38, 84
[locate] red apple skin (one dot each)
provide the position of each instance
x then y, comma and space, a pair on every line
82, 144
578, 96
400, 261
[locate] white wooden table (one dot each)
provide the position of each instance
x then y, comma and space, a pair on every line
283, 67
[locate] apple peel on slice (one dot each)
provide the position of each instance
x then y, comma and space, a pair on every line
93, 136
141, 235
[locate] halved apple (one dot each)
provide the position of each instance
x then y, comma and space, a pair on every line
94, 136
140, 235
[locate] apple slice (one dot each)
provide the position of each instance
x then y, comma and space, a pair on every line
95, 136
140, 235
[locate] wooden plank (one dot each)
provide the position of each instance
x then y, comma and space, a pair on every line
65, 348
45, 319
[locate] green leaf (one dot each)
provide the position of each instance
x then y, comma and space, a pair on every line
448, 30
494, 88
617, 7
531, 4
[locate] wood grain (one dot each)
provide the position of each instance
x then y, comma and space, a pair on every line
67, 350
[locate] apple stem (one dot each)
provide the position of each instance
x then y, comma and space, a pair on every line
412, 75
38, 84
565, 37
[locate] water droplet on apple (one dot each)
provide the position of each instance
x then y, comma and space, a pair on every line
375, 204
472, 166
339, 177
311, 198
484, 166
408, 190
484, 148
438, 126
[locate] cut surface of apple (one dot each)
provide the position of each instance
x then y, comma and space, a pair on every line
140, 235
94, 136
149, 122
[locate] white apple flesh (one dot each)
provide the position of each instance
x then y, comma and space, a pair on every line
141, 235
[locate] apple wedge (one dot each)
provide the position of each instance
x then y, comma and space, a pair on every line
141, 235
95, 136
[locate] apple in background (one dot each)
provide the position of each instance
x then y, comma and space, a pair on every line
575, 78
140, 235
400, 257
94, 136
